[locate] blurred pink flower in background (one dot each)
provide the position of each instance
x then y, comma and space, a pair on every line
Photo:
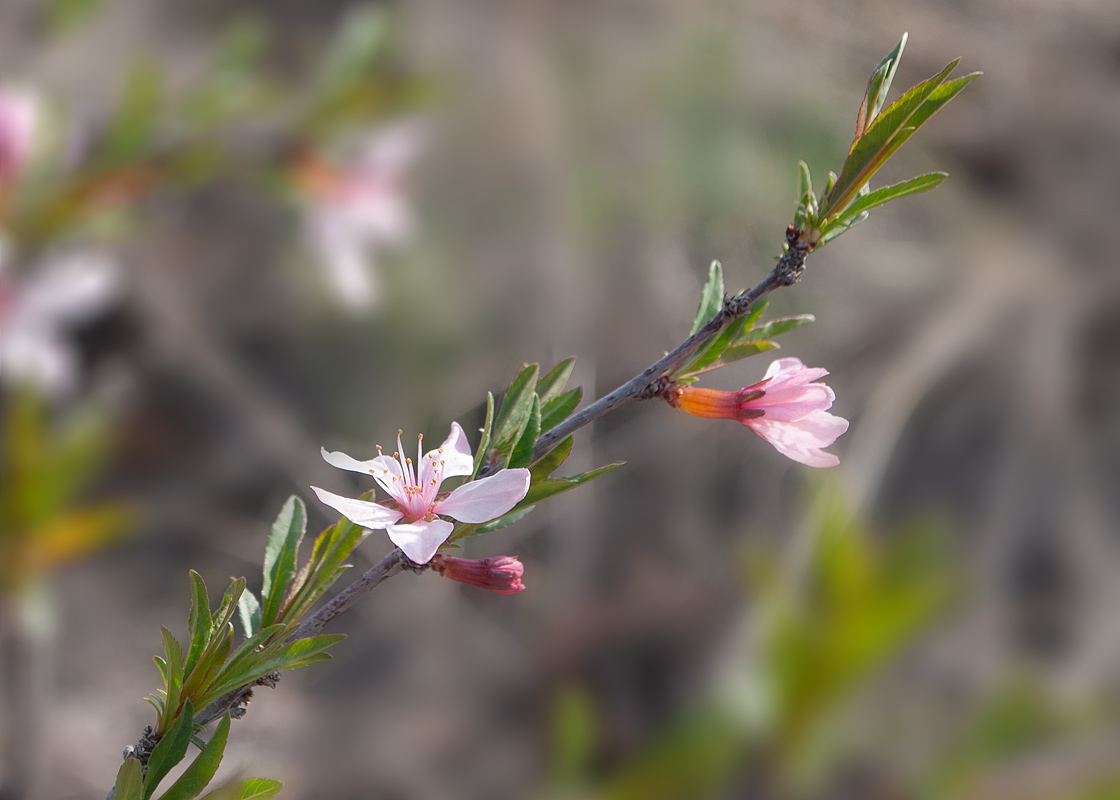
19, 127
417, 499
353, 210
499, 574
37, 309
785, 408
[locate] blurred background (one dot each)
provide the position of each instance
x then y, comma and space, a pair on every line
934, 618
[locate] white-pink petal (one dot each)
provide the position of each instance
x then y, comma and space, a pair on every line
487, 498
456, 455
802, 440
339, 459
360, 512
419, 540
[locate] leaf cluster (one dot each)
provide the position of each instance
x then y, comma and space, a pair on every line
745, 337
531, 406
880, 132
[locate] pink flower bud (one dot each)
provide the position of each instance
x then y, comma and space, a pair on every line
785, 408
500, 574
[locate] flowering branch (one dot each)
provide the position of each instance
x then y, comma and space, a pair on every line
647, 383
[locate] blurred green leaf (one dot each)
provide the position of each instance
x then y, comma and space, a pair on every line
513, 417
711, 298
522, 454
361, 36
922, 183
196, 777
252, 789
130, 781
555, 486
774, 328
133, 125
484, 439
170, 750
551, 385
249, 609
547, 465
502, 522
574, 732
201, 624
280, 556
560, 408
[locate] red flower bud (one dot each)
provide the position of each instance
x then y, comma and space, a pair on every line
500, 574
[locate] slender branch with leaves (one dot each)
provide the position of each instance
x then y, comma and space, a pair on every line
524, 440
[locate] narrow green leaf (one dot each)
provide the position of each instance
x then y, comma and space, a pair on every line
550, 462
484, 439
508, 519
551, 385
156, 702
711, 298
555, 486
200, 623
273, 659
243, 655
710, 353
252, 789
130, 781
170, 749
805, 181
280, 556
174, 683
776, 327
161, 665
514, 416
249, 609
878, 87
737, 353
522, 454
945, 92
196, 777
868, 152
136, 114
560, 408
882, 195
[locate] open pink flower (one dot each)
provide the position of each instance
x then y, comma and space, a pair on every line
19, 126
785, 408
356, 208
500, 574
412, 519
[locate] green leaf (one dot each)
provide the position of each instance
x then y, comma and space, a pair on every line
555, 486
551, 385
484, 439
775, 327
170, 749
710, 352
252, 789
737, 353
245, 652
560, 408
130, 781
923, 183
249, 608
944, 93
551, 461
711, 298
522, 454
514, 416
361, 36
202, 769
870, 151
221, 641
134, 121
274, 658
878, 87
508, 519
201, 624
174, 682
280, 556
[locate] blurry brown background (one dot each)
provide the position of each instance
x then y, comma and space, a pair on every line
587, 160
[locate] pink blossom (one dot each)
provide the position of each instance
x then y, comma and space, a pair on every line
412, 518
500, 574
356, 208
37, 309
785, 408
19, 125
